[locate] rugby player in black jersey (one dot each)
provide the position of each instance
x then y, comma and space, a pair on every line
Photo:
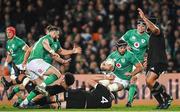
156, 63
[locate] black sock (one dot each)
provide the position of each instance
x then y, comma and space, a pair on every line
157, 91
157, 96
162, 91
10, 83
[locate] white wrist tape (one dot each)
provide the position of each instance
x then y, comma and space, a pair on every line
6, 64
52, 51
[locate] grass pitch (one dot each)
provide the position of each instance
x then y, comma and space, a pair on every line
115, 108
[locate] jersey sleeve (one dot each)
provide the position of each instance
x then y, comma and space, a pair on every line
126, 36
133, 59
110, 56
59, 45
21, 43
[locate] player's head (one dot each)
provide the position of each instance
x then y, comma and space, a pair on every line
54, 32
141, 26
10, 32
48, 28
68, 79
121, 46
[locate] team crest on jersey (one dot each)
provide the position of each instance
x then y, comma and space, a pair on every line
13, 45
118, 65
133, 37
136, 44
123, 60
142, 40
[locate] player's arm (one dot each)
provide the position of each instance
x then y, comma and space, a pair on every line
134, 61
138, 69
8, 59
60, 60
153, 28
26, 56
26, 47
75, 50
46, 46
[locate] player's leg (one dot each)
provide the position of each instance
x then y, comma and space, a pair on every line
43, 68
132, 91
154, 87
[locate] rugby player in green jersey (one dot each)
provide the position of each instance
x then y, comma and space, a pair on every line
16, 49
46, 59
123, 69
137, 40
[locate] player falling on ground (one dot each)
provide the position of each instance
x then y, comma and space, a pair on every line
99, 97
156, 63
137, 40
123, 68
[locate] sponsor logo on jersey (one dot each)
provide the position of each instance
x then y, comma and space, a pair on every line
136, 44
118, 65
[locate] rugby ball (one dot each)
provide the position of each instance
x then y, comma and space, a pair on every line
110, 62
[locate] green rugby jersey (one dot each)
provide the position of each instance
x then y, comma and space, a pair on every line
38, 51
15, 48
138, 42
123, 63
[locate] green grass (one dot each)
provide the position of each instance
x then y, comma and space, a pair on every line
115, 108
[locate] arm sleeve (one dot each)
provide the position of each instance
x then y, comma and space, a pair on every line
21, 43
133, 59
126, 36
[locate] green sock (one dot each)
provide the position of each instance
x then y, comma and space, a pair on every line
50, 79
16, 89
20, 99
31, 95
132, 90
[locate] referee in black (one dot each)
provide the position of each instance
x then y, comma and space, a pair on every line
156, 63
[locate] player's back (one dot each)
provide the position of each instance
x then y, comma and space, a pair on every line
100, 97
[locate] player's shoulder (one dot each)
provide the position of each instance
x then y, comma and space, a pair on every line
146, 35
18, 38
129, 53
131, 31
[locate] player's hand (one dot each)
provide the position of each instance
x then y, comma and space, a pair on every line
128, 74
77, 50
56, 55
141, 13
24, 65
111, 77
66, 61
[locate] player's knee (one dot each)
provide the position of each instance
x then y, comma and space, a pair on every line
133, 80
149, 82
113, 87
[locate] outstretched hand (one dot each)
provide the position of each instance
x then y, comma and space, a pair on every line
141, 13
77, 50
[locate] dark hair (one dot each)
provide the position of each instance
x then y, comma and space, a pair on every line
49, 27
69, 78
120, 43
54, 28
140, 21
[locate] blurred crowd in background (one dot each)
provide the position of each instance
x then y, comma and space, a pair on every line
95, 25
